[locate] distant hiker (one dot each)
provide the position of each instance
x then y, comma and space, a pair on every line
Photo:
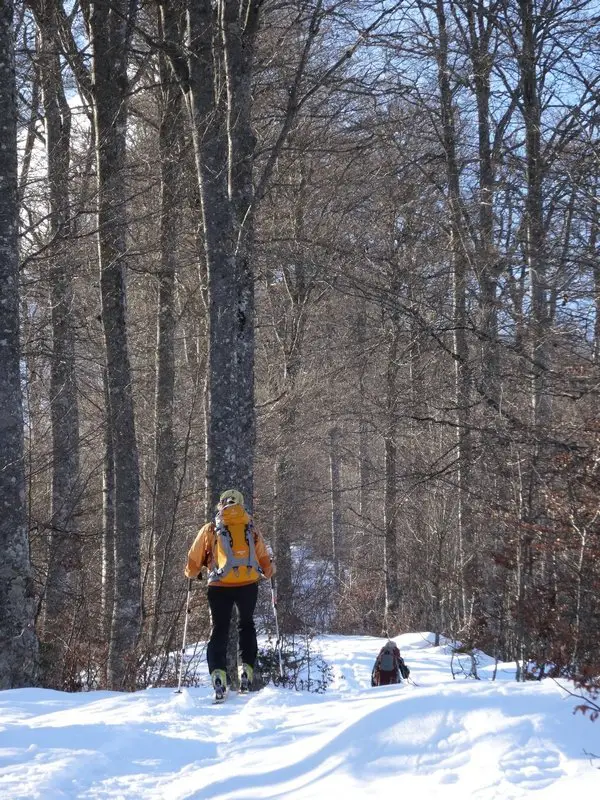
389, 666
236, 558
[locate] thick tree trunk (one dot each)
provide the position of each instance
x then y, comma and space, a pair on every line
64, 563
223, 154
239, 24
109, 26
18, 640
210, 149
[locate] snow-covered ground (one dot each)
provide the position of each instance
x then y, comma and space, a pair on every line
441, 738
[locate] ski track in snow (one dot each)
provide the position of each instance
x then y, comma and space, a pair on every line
441, 738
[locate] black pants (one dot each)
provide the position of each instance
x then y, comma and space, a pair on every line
220, 601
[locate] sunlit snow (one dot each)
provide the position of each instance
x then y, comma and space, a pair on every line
439, 737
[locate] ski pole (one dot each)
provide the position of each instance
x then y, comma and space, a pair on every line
185, 624
278, 642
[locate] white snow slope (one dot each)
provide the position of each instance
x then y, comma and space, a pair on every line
441, 738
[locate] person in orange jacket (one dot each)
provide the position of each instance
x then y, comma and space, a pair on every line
237, 559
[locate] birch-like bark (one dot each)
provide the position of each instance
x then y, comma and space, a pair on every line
18, 640
579, 609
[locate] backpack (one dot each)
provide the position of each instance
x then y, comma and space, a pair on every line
389, 660
234, 548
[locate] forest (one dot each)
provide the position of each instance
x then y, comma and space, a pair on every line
341, 255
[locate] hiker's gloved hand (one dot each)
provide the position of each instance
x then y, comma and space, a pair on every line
271, 555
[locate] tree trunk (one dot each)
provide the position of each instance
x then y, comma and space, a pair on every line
165, 483
110, 27
284, 519
336, 500
365, 476
534, 222
239, 26
210, 151
64, 563
592, 250
468, 553
18, 640
390, 500
481, 25
108, 522
539, 320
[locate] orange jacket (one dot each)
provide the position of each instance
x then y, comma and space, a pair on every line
201, 554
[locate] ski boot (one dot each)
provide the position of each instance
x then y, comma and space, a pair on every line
246, 675
219, 682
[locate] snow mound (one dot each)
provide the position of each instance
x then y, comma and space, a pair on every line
438, 736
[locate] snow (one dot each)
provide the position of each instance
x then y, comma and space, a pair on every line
439, 737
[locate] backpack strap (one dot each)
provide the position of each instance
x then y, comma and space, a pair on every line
233, 562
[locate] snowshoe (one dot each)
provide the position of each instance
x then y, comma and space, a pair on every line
246, 675
219, 682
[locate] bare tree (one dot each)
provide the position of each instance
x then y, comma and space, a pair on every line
18, 640
164, 453
64, 560
460, 275
110, 27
